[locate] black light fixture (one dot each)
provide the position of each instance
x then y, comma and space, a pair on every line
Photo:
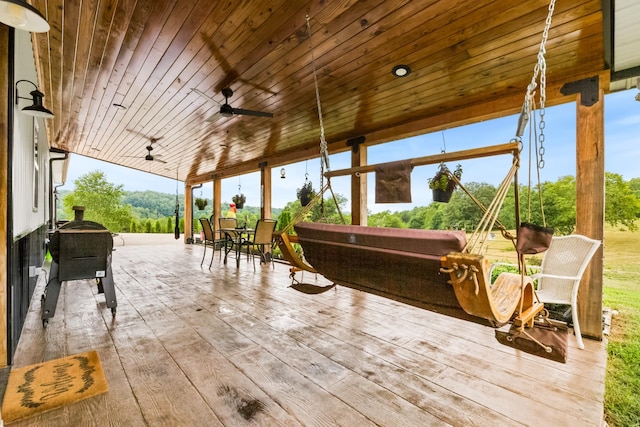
37, 109
401, 70
21, 15
283, 173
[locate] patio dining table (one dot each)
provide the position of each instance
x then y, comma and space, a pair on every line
236, 236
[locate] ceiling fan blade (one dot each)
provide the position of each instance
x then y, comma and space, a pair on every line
150, 158
204, 95
244, 112
214, 118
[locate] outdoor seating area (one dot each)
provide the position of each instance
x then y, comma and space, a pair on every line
191, 345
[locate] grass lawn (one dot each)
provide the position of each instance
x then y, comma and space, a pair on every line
622, 293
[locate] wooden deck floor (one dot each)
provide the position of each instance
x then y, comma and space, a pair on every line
196, 347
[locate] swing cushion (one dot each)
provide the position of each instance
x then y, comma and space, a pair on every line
402, 264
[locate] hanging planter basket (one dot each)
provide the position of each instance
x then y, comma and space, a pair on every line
306, 193
201, 203
442, 185
239, 200
442, 196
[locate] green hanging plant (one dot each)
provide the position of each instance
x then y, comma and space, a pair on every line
442, 184
239, 200
201, 203
442, 180
306, 193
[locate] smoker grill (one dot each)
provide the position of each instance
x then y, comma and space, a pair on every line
80, 250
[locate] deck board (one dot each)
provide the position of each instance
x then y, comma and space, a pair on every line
227, 346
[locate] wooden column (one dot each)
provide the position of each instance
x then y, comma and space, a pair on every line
265, 193
217, 204
265, 200
4, 188
590, 184
188, 213
358, 183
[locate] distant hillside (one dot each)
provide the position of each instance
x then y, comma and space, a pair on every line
156, 205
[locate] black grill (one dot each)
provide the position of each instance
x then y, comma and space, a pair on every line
80, 250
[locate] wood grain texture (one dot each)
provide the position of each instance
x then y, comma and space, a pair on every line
590, 147
4, 189
468, 59
227, 346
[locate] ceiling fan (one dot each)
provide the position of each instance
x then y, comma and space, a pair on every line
227, 110
150, 157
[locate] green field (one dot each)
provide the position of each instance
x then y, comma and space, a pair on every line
622, 293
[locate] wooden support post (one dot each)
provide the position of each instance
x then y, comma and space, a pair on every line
217, 205
358, 185
188, 213
265, 200
265, 193
590, 186
4, 190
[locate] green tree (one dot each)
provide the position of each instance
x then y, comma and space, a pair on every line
102, 201
433, 217
284, 219
416, 217
621, 205
151, 204
169, 224
386, 219
462, 212
634, 185
559, 200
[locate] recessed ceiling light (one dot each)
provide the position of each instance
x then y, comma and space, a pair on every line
401, 70
120, 106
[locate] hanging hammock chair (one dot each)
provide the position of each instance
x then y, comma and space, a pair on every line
437, 270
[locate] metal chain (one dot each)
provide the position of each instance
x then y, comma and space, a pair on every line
323, 143
541, 70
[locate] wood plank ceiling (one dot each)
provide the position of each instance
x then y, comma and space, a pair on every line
470, 60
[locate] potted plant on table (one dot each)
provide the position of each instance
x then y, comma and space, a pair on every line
239, 200
306, 193
442, 184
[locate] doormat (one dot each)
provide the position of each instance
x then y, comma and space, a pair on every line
34, 389
554, 338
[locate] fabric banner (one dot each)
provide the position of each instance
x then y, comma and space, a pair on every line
393, 182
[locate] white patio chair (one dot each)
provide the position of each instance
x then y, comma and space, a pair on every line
562, 268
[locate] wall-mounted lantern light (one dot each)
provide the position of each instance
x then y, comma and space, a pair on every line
36, 109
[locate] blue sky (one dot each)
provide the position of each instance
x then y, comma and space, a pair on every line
622, 151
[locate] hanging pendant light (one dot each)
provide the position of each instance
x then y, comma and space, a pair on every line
21, 15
